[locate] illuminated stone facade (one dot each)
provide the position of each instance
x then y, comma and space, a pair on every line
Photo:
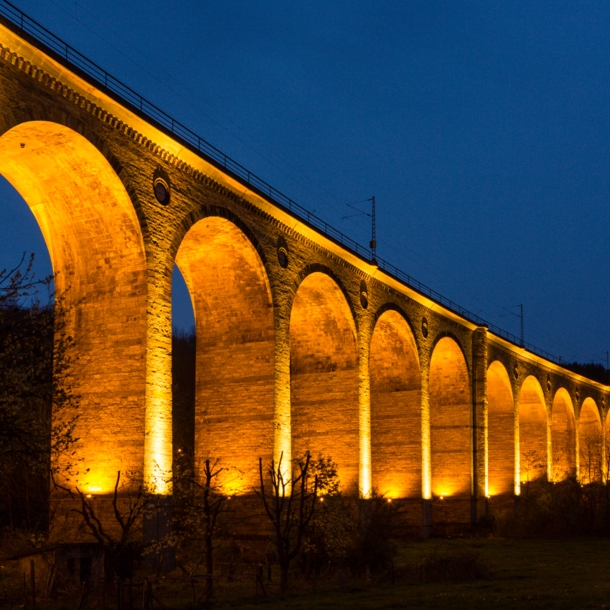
406, 396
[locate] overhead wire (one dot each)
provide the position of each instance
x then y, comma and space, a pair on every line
330, 199
189, 101
335, 203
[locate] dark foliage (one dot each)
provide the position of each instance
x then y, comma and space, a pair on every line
590, 370
205, 509
290, 501
347, 531
372, 547
331, 531
34, 375
562, 509
183, 389
446, 567
122, 541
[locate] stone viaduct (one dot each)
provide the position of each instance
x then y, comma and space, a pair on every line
302, 342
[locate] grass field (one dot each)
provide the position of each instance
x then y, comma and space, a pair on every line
572, 573
514, 574
522, 573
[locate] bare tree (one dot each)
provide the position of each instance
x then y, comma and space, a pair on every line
209, 501
290, 505
199, 514
533, 466
120, 538
38, 410
591, 459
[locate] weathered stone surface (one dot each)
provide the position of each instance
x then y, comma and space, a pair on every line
406, 396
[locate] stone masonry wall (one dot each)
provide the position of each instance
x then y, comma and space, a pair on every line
395, 408
295, 352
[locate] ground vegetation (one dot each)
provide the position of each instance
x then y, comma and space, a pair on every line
35, 391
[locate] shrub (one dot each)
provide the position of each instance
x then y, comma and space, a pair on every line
565, 508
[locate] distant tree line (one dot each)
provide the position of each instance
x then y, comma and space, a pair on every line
183, 390
34, 374
591, 370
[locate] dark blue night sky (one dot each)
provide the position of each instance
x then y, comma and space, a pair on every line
482, 128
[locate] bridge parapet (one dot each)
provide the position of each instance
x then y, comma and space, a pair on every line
302, 342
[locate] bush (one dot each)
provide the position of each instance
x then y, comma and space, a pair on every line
372, 547
38, 411
565, 508
459, 566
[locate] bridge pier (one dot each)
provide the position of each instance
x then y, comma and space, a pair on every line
480, 427
287, 312
426, 528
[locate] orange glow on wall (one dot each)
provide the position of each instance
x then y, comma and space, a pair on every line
501, 431
324, 380
395, 408
97, 252
563, 436
532, 432
234, 411
450, 421
590, 443
426, 456
365, 476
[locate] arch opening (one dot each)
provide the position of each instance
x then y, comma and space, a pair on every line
234, 325
450, 430
97, 253
501, 431
324, 376
183, 369
563, 436
590, 443
20, 232
533, 452
395, 408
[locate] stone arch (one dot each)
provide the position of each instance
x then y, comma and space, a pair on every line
325, 270
97, 251
324, 376
234, 323
450, 427
590, 442
205, 211
501, 431
395, 380
56, 115
563, 436
401, 312
449, 335
532, 431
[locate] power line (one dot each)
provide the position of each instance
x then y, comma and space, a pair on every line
467, 292
518, 315
372, 216
333, 202
188, 100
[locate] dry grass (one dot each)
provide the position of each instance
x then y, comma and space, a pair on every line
480, 574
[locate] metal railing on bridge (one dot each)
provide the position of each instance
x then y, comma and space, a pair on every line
127, 95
